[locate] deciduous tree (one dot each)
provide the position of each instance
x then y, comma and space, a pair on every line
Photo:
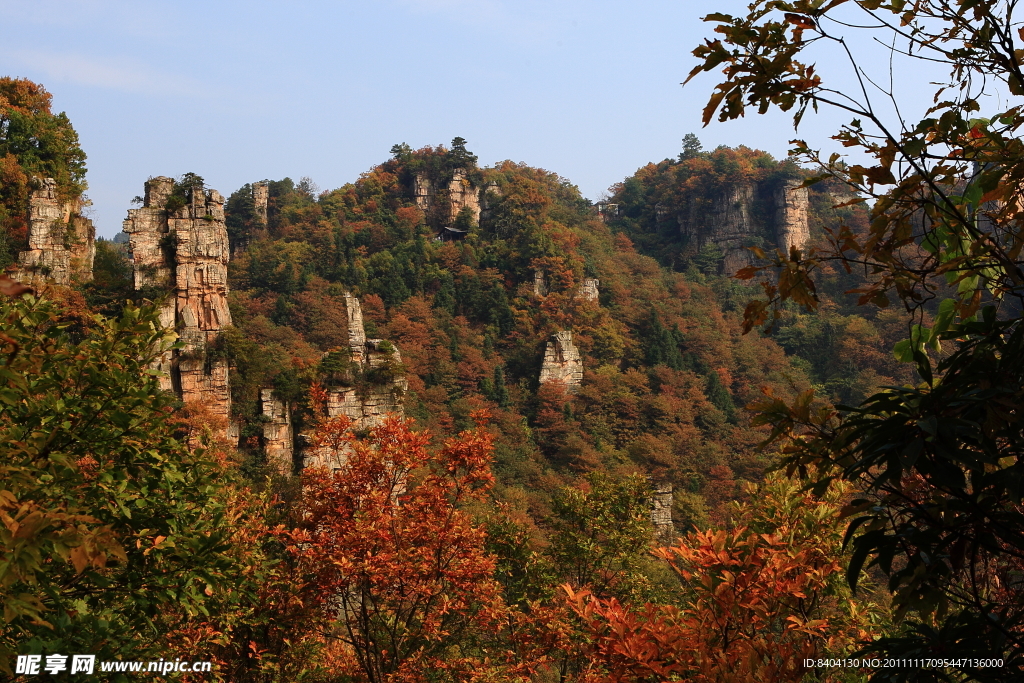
757, 600
399, 565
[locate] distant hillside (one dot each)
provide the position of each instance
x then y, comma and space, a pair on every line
469, 272
701, 212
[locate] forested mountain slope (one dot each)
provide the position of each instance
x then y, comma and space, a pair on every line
590, 358
703, 212
445, 257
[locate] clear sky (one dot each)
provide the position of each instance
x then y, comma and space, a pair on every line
242, 91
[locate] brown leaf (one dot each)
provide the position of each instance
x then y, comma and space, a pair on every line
11, 287
80, 558
800, 21
747, 273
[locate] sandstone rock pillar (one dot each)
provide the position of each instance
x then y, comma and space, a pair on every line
61, 243
356, 331
589, 289
379, 393
540, 285
278, 436
562, 362
183, 253
791, 227
260, 199
661, 511
463, 194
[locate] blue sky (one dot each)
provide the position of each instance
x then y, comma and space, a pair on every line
241, 91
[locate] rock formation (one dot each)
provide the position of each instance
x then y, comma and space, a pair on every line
726, 222
379, 393
741, 216
791, 227
260, 199
562, 362
461, 193
184, 252
356, 332
540, 285
423, 191
661, 511
278, 435
380, 364
368, 406
61, 243
489, 197
589, 289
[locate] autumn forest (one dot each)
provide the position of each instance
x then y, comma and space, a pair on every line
743, 419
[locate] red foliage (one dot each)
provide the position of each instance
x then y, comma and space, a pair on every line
397, 563
748, 620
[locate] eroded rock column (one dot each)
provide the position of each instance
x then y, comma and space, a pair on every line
463, 194
661, 511
381, 394
589, 289
184, 253
356, 331
61, 243
378, 392
562, 362
261, 199
201, 280
792, 229
278, 435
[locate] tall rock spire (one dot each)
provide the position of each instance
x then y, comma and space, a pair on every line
179, 248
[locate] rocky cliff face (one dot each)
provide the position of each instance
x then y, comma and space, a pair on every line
367, 407
460, 193
381, 365
791, 226
589, 289
562, 362
661, 511
740, 216
185, 253
725, 222
380, 394
540, 285
260, 199
356, 331
61, 243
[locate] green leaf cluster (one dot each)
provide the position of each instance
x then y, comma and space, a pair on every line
108, 521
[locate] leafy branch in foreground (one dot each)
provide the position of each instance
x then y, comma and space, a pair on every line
945, 188
939, 464
106, 517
